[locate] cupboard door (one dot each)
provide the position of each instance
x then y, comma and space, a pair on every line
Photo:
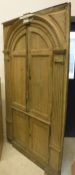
39, 140
15, 67
38, 49
20, 129
40, 73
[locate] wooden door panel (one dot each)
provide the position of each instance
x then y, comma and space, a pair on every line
40, 74
20, 43
39, 87
20, 129
18, 81
18, 72
39, 139
39, 39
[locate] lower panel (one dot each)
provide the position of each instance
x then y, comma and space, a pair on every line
32, 138
20, 128
39, 139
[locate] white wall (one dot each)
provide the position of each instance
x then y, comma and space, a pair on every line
10, 9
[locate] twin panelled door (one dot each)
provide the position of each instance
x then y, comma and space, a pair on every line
31, 77
36, 68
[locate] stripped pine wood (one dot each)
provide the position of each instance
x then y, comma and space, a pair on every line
36, 54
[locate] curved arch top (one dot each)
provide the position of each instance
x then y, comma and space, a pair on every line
49, 27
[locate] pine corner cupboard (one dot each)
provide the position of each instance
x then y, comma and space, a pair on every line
36, 52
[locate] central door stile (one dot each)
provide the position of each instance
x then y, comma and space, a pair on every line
28, 42
27, 64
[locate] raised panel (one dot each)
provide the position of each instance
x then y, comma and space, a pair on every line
38, 35
40, 74
39, 139
40, 87
38, 39
20, 44
19, 81
20, 129
18, 71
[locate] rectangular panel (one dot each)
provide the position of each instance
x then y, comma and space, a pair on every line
39, 139
20, 128
40, 86
19, 81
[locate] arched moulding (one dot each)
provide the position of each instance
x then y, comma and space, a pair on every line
39, 23
40, 26
52, 26
58, 29
13, 28
51, 30
36, 29
47, 26
16, 38
18, 31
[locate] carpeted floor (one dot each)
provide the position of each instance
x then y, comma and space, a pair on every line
14, 163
